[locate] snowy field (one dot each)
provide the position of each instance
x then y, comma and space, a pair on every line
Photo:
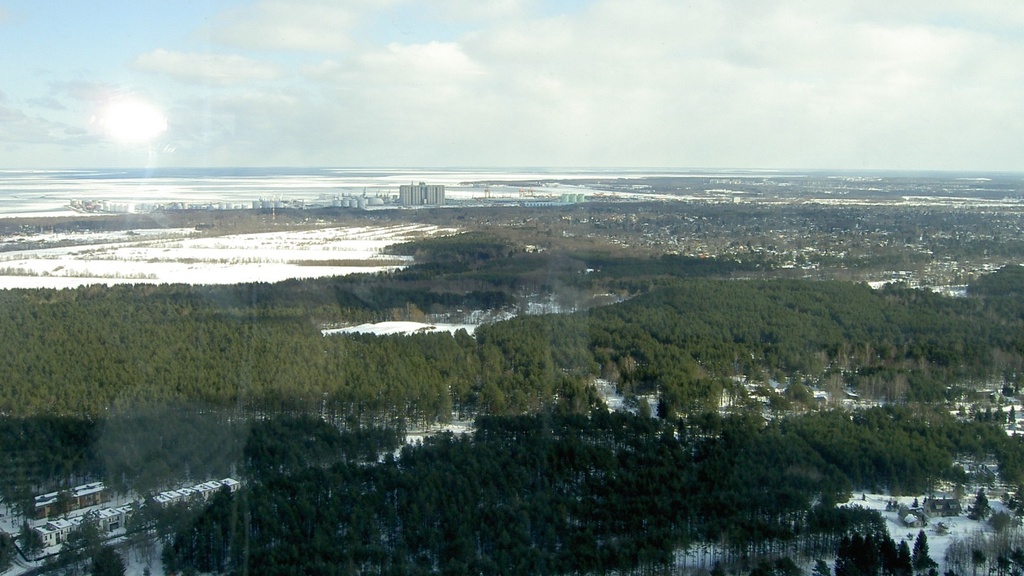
180, 256
939, 537
386, 328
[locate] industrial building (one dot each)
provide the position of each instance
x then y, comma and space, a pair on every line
421, 194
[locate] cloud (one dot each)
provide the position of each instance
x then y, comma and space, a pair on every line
47, 102
712, 83
727, 83
295, 25
85, 90
215, 69
20, 128
474, 10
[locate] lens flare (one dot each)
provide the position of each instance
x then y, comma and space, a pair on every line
131, 121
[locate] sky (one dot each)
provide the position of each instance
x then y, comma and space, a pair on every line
748, 84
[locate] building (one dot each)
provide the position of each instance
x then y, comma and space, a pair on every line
198, 492
111, 519
943, 506
107, 520
57, 503
56, 531
421, 194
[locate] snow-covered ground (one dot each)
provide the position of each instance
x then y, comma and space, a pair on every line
608, 392
457, 427
939, 538
385, 328
180, 256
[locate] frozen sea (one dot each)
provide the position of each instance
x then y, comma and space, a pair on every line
30, 193
169, 255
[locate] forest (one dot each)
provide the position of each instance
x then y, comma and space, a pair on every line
572, 494
142, 386
258, 348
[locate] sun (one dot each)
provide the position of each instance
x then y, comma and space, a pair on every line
131, 121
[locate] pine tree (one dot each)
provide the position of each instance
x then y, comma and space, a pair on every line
977, 559
980, 509
904, 562
820, 568
920, 560
107, 562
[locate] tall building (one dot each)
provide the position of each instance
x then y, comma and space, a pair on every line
421, 194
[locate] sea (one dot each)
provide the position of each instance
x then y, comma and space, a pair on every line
41, 193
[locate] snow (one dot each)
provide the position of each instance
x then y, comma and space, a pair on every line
608, 392
957, 527
417, 436
386, 328
180, 256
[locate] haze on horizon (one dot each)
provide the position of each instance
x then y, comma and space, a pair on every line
870, 85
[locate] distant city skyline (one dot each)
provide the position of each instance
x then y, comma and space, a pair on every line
802, 85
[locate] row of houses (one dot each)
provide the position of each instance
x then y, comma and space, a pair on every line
107, 520
201, 491
110, 519
62, 502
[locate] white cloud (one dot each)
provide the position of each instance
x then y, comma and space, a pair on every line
647, 82
712, 83
298, 25
196, 68
47, 102
653, 82
475, 10
421, 66
20, 128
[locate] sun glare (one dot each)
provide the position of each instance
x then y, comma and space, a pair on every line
132, 121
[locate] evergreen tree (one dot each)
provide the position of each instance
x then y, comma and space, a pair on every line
888, 555
821, 568
7, 551
980, 509
904, 562
107, 562
977, 559
920, 559
31, 541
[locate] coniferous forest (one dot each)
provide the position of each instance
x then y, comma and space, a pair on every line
143, 386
